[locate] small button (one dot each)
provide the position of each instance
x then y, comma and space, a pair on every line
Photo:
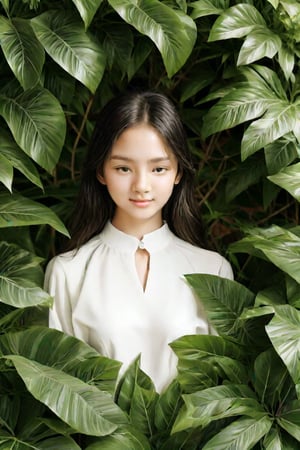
141, 245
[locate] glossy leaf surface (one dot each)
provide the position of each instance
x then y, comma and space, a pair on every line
284, 333
22, 51
37, 123
82, 406
16, 289
16, 210
173, 32
65, 40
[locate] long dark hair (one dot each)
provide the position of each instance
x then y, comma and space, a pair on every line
94, 205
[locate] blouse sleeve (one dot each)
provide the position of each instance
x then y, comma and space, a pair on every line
60, 315
226, 269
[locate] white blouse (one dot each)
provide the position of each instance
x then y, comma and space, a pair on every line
99, 297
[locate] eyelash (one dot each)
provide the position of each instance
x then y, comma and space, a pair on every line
124, 169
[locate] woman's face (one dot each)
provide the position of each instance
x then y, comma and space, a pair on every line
140, 174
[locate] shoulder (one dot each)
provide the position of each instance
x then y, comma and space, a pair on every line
74, 258
203, 260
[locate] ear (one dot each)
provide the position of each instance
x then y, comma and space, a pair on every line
178, 178
100, 178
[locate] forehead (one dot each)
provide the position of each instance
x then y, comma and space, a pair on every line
141, 141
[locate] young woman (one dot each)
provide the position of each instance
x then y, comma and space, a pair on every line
121, 286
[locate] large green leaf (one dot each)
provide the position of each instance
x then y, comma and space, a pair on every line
85, 408
87, 10
281, 247
18, 159
52, 443
215, 403
202, 8
281, 153
289, 419
16, 288
244, 102
259, 44
244, 433
236, 22
167, 407
196, 352
286, 59
137, 396
288, 179
273, 441
6, 172
284, 333
279, 120
65, 40
56, 349
37, 123
22, 50
125, 438
173, 32
16, 210
223, 299
271, 379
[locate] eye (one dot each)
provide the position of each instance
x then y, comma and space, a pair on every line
159, 169
123, 169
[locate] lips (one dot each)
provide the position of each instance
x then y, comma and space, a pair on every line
140, 203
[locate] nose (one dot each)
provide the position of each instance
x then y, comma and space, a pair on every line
141, 182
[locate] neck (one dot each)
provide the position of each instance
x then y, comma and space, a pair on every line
135, 228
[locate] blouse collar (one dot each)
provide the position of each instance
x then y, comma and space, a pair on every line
156, 240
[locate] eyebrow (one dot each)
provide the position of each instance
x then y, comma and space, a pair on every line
153, 160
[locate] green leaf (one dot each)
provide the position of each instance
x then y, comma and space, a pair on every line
56, 349
289, 419
83, 407
281, 153
243, 103
286, 59
16, 210
37, 123
284, 333
6, 172
236, 22
265, 78
18, 159
244, 433
65, 40
59, 442
271, 379
245, 175
259, 44
223, 300
224, 358
137, 396
140, 53
87, 10
281, 247
203, 8
167, 407
278, 121
16, 289
215, 403
22, 51
126, 438
118, 45
288, 179
199, 78
173, 32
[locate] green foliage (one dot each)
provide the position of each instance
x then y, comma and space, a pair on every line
232, 69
